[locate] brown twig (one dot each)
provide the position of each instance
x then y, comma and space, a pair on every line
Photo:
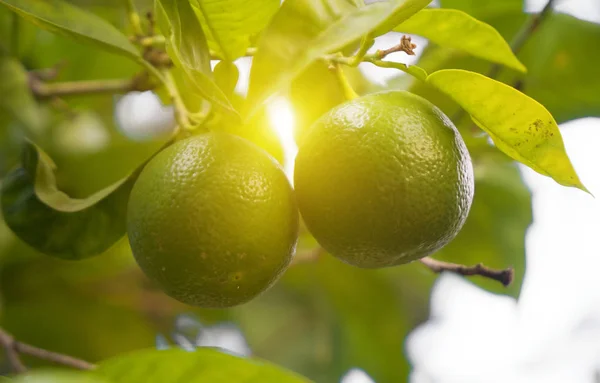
405, 45
48, 74
43, 89
8, 343
13, 348
503, 276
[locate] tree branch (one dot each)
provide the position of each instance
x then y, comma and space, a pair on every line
59, 89
8, 343
13, 348
524, 34
503, 276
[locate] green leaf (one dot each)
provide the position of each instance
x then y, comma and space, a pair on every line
398, 12
316, 90
17, 99
456, 29
305, 30
103, 294
58, 376
61, 17
479, 8
188, 48
230, 24
560, 76
413, 70
370, 321
563, 71
53, 223
226, 76
518, 125
201, 365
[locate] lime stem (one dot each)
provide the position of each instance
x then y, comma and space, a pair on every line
349, 92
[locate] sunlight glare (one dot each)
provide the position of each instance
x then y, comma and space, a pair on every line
282, 117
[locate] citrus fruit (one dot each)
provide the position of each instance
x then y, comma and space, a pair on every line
212, 219
383, 180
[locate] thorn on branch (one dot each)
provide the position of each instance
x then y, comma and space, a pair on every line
48, 74
14, 348
504, 276
405, 45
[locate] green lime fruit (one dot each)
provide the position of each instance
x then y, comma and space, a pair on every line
383, 180
213, 220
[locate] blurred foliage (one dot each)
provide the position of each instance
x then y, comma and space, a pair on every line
562, 74
201, 365
323, 317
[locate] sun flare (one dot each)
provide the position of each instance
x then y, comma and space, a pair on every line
282, 117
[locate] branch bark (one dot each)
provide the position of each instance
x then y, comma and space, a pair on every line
45, 90
8, 343
525, 33
13, 348
503, 276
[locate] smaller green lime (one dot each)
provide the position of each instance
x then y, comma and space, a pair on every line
213, 220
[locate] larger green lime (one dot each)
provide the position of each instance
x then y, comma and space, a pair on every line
383, 180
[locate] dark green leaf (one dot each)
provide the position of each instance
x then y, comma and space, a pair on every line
52, 222
188, 48
518, 125
371, 324
305, 30
202, 365
230, 24
563, 69
226, 76
17, 99
456, 29
61, 17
